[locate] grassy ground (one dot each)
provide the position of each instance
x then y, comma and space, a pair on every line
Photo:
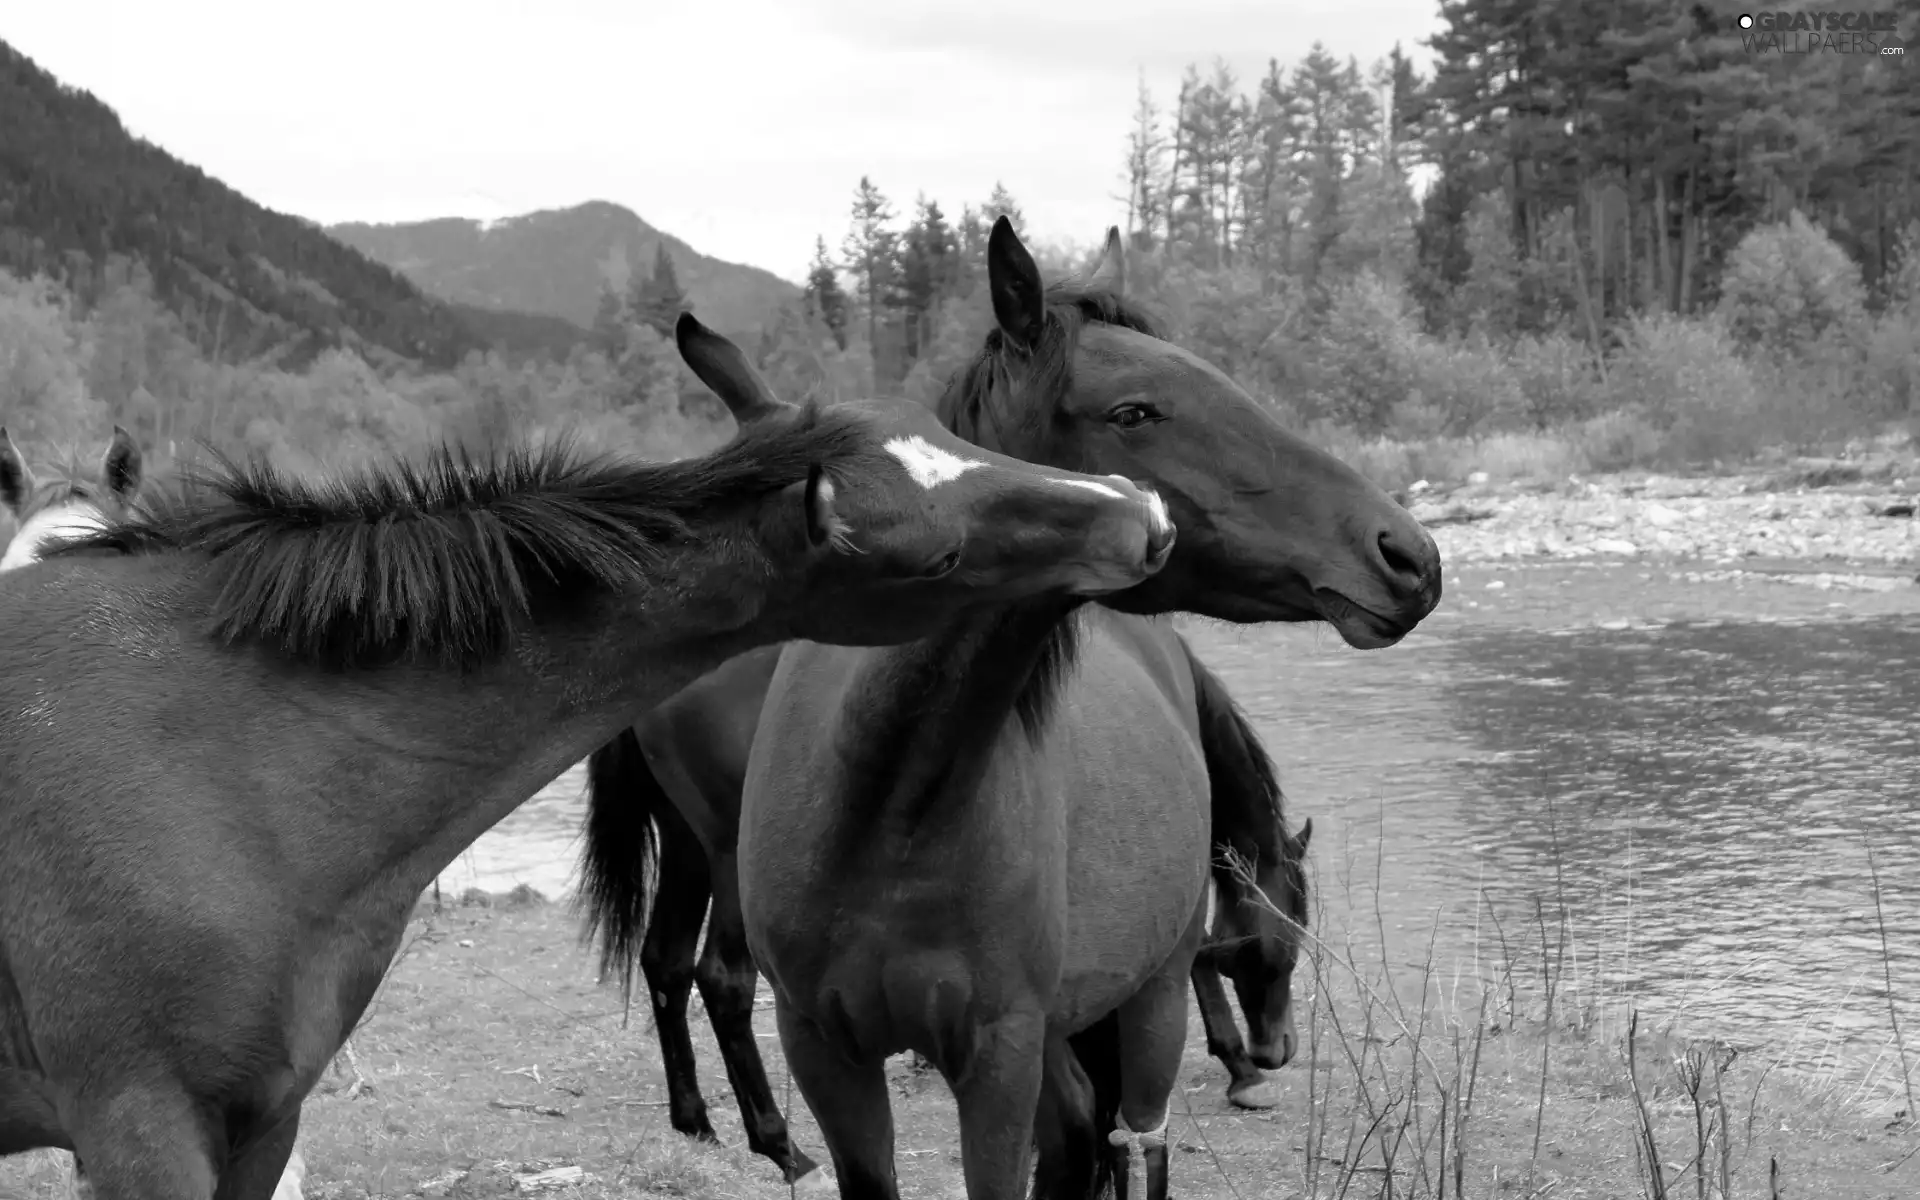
492, 1053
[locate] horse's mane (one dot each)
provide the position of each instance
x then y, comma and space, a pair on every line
966, 408
439, 559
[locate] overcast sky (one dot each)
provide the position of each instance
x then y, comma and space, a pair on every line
740, 126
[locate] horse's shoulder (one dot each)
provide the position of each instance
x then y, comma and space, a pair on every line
1131, 696
810, 683
1120, 647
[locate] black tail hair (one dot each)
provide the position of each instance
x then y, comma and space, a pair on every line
622, 847
1248, 806
1079, 1107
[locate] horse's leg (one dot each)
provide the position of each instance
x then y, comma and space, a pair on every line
849, 1100
667, 961
259, 1172
728, 980
142, 1143
1153, 1036
1248, 1086
997, 1093
1067, 1141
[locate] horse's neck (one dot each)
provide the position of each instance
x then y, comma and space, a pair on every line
925, 717
448, 753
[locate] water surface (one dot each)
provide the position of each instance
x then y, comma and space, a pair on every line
1697, 796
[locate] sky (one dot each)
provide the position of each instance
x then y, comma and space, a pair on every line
740, 127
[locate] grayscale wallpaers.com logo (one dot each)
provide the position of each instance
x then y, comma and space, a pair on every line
1868, 33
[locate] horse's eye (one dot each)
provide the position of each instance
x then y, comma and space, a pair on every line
944, 566
1130, 416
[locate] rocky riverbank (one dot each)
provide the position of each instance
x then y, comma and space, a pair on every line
1852, 519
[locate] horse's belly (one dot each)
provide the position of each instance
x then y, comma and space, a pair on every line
1138, 828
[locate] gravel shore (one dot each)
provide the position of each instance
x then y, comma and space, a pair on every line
1852, 521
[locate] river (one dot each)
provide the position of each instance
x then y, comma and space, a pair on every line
1691, 769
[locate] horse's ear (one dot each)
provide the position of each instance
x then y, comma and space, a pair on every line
823, 523
16, 478
1111, 275
1304, 836
719, 364
1013, 280
121, 464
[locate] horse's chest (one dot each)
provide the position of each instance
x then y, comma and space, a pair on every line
926, 973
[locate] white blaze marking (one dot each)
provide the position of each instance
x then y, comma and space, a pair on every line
46, 526
1157, 510
1091, 486
929, 465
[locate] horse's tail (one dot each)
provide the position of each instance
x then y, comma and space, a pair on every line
1079, 1107
1247, 801
622, 845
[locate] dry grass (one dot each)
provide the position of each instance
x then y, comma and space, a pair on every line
491, 1054
1521, 1072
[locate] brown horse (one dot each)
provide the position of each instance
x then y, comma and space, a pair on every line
69, 500
241, 733
671, 787
990, 846
67, 503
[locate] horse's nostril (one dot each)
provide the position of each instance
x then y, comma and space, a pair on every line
1407, 566
1160, 542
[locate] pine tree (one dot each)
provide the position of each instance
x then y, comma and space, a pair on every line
869, 251
928, 257
658, 301
1145, 148
825, 301
1002, 204
609, 335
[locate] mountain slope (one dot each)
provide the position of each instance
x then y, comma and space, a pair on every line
556, 262
77, 190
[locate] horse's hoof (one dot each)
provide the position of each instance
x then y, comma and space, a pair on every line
1255, 1095
813, 1182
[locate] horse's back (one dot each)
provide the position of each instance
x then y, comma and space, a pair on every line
698, 740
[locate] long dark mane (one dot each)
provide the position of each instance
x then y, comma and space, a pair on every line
440, 559
967, 408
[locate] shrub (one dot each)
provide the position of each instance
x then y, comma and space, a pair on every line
1557, 380
1685, 380
1788, 287
1467, 385
1364, 357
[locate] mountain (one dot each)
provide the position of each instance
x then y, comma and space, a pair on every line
557, 261
78, 191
